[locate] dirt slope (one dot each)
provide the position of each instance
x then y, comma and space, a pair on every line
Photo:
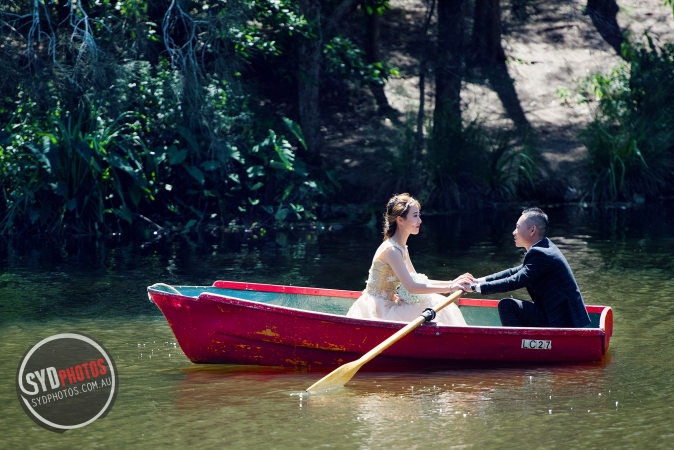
554, 49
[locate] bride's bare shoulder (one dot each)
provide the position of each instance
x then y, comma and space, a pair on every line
384, 246
386, 250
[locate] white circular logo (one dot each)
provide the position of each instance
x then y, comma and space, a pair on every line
66, 381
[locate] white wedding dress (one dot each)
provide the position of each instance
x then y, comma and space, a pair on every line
380, 302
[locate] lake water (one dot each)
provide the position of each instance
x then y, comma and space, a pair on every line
621, 258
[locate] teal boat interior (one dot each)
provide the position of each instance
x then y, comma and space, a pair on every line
474, 315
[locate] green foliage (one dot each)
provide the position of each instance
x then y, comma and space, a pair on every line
510, 170
66, 174
138, 108
465, 163
375, 6
631, 140
288, 187
63, 174
271, 20
345, 60
406, 151
669, 3
447, 158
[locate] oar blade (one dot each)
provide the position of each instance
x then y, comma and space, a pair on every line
341, 375
337, 378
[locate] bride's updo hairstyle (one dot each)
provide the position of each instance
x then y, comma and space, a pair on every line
397, 206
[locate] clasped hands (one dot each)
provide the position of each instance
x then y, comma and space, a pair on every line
462, 282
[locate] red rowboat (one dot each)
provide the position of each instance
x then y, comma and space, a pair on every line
271, 325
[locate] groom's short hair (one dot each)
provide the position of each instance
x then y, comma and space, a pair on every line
536, 216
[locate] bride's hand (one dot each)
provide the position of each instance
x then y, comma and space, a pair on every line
466, 287
453, 287
466, 278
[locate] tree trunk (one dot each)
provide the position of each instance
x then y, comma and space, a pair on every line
309, 82
604, 17
606, 8
340, 13
309, 106
419, 140
309, 73
422, 80
449, 71
487, 33
373, 53
373, 41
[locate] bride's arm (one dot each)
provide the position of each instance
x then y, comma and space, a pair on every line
461, 281
393, 258
465, 279
411, 266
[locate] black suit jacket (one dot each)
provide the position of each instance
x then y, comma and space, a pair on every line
549, 281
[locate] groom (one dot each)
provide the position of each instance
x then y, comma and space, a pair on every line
544, 273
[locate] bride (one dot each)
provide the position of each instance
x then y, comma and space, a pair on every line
394, 290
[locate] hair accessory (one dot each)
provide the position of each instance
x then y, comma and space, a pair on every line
409, 202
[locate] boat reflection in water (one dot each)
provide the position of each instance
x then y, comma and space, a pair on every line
378, 407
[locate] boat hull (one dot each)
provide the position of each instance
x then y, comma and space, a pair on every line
223, 329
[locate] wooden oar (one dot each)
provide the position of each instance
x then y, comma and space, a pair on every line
341, 375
